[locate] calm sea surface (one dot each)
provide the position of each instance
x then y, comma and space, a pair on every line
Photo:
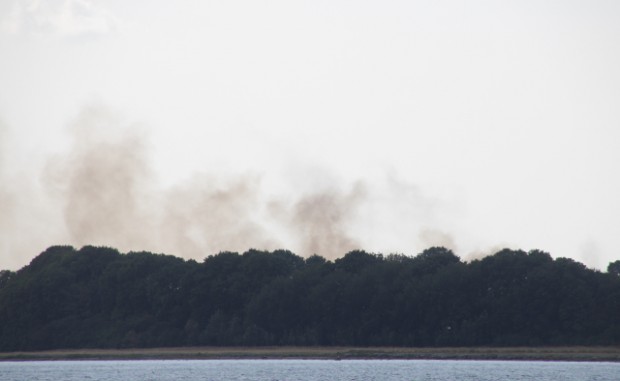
307, 370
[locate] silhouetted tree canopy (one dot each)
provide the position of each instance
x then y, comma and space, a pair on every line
98, 297
614, 268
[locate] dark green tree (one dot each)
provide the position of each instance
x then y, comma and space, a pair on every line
614, 268
98, 297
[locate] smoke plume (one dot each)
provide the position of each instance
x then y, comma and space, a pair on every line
109, 197
432, 237
321, 221
209, 214
102, 183
102, 191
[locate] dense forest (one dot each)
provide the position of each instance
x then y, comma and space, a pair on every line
98, 297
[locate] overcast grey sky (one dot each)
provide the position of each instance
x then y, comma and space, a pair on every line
190, 127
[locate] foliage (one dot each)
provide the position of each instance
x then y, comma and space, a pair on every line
98, 297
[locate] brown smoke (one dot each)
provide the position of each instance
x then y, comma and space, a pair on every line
101, 183
208, 214
102, 192
109, 198
433, 237
321, 220
482, 253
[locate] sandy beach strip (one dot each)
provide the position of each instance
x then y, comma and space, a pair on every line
336, 353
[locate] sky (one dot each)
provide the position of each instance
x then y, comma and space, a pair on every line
194, 127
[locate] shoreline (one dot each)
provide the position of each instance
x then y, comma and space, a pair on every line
592, 354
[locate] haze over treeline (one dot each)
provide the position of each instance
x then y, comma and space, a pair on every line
102, 189
388, 126
98, 297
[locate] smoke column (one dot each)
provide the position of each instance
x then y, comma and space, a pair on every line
321, 221
101, 184
102, 191
108, 196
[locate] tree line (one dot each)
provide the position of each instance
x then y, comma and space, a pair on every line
96, 297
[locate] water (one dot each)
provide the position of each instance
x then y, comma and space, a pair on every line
307, 370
